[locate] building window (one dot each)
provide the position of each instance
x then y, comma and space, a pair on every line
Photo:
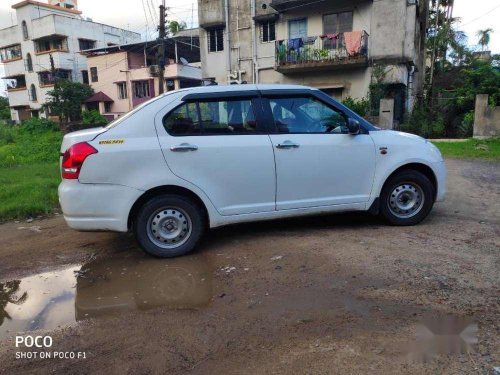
28, 64
85, 76
122, 90
25, 30
141, 89
334, 24
216, 39
47, 78
86, 44
337, 22
267, 31
107, 107
51, 43
11, 53
32, 93
93, 74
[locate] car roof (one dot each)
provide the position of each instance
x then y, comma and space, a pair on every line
241, 88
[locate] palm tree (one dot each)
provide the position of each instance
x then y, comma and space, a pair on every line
484, 37
174, 27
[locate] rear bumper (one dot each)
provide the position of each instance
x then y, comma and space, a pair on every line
96, 207
440, 172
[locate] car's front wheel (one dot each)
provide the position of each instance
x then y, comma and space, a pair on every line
169, 226
407, 198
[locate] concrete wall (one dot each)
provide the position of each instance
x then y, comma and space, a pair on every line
486, 118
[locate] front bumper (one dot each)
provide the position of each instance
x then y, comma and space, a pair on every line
440, 173
96, 207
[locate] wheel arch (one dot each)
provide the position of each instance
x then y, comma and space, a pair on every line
166, 189
419, 167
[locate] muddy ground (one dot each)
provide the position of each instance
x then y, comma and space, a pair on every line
332, 294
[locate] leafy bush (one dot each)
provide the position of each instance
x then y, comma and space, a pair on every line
4, 108
466, 127
26, 147
424, 122
360, 106
93, 118
7, 134
37, 125
66, 99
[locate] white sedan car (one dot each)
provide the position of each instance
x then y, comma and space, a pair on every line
210, 156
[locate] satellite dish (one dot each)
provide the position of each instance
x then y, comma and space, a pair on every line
183, 61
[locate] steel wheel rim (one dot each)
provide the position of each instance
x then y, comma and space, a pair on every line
169, 227
406, 200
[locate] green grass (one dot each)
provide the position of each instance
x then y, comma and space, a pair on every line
472, 148
29, 172
28, 190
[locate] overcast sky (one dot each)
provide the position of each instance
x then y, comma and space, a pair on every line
141, 16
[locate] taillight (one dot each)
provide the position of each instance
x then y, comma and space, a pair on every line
73, 159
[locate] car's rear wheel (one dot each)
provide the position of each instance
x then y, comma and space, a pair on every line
169, 226
407, 198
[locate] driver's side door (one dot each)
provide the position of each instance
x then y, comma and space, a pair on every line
317, 162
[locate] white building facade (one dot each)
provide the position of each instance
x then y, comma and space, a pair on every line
55, 30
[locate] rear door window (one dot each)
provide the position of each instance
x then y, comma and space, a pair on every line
211, 118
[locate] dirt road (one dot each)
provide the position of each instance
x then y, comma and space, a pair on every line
333, 294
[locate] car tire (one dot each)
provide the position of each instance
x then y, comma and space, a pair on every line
169, 225
407, 198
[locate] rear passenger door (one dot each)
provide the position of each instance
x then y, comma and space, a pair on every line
217, 144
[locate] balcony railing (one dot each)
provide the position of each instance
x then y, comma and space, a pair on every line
348, 49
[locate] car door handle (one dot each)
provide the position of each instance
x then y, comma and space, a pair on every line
287, 144
184, 147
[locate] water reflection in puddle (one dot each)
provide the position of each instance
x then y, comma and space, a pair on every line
57, 298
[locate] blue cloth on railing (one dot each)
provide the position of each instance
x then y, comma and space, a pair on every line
295, 44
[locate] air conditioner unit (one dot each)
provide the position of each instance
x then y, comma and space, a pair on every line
154, 70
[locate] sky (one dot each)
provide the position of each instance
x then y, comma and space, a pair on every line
141, 16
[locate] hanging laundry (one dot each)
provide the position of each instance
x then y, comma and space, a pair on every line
353, 41
295, 44
333, 36
309, 40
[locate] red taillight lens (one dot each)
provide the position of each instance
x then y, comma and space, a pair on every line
73, 159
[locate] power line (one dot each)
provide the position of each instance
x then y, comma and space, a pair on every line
481, 16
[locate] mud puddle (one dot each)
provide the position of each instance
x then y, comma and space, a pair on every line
65, 296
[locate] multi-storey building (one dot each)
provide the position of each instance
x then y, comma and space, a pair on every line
47, 44
339, 46
125, 76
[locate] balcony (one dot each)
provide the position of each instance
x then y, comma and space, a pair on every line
51, 43
46, 78
15, 83
336, 51
301, 5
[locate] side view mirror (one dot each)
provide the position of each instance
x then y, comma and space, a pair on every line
353, 126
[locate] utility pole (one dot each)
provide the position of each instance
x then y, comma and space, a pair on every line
161, 54
52, 68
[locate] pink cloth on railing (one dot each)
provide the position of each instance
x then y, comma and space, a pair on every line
333, 36
353, 42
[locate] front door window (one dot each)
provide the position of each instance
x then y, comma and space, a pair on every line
300, 115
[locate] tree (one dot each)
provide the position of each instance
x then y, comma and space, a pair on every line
174, 27
484, 38
4, 108
66, 99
